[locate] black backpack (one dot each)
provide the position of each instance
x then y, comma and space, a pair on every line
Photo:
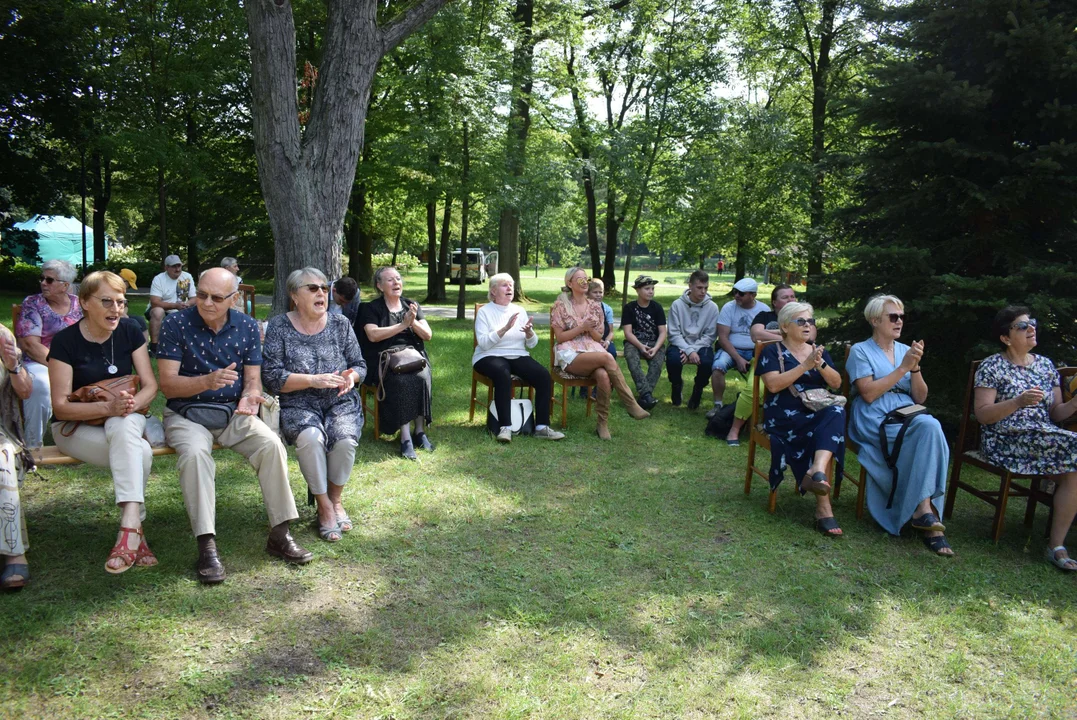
719, 425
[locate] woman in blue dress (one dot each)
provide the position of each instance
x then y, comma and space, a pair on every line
1018, 401
805, 439
885, 375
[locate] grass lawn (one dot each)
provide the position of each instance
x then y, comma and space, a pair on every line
630, 579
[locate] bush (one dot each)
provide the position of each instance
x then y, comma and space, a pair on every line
405, 262
19, 277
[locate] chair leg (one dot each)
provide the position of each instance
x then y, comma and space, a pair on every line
751, 464
772, 502
377, 420
474, 389
951, 490
1000, 511
564, 407
1030, 508
587, 389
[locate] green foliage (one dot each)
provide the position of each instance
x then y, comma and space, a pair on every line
968, 200
405, 261
19, 277
21, 244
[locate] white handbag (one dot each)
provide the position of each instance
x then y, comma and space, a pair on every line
269, 412
522, 417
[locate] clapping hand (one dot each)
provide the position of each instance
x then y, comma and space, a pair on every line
409, 316
814, 359
529, 327
508, 326
912, 358
225, 377
122, 405
248, 404
330, 380
349, 382
8, 352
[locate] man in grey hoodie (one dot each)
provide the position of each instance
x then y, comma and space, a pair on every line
693, 327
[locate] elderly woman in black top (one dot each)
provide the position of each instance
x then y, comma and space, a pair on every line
312, 359
389, 321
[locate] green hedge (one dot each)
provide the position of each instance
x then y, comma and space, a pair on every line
19, 277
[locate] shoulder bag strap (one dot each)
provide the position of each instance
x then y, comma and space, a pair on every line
891, 456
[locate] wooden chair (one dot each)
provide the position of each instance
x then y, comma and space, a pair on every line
249, 297
371, 390
967, 451
477, 377
860, 480
16, 310
757, 438
566, 380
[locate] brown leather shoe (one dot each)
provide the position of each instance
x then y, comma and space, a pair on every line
286, 548
209, 569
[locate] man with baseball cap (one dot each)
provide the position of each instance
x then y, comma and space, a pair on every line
170, 291
735, 344
644, 326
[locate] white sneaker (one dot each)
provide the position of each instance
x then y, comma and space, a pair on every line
504, 435
548, 433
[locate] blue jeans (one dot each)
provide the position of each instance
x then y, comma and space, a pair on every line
674, 366
724, 361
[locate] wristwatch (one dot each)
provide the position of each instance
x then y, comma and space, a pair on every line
824, 366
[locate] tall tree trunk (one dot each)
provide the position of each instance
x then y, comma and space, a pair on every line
307, 177
613, 225
357, 236
162, 201
587, 174
432, 239
465, 208
817, 240
191, 201
396, 242
523, 60
443, 257
101, 181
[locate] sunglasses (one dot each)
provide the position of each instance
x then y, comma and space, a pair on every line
896, 317
739, 293
47, 280
217, 299
805, 321
1024, 324
109, 303
314, 287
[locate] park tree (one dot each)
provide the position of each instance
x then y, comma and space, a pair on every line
307, 173
968, 199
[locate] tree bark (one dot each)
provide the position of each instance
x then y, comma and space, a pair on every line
162, 213
191, 201
588, 175
101, 180
307, 177
443, 258
465, 208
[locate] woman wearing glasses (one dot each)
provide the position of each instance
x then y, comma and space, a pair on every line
1018, 401
885, 375
312, 360
43, 315
806, 439
578, 326
106, 345
392, 320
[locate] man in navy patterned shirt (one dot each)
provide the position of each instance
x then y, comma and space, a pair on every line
210, 361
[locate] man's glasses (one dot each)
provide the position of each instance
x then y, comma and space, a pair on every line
47, 280
1024, 324
314, 287
805, 321
896, 317
217, 299
109, 303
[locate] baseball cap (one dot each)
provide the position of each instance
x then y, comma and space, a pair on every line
130, 277
173, 260
746, 285
642, 280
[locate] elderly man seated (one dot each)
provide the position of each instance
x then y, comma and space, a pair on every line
210, 362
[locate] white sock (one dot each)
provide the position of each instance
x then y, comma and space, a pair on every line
540, 427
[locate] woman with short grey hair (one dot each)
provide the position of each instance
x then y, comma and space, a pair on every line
43, 315
312, 360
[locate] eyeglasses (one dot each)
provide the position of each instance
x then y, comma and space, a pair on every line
805, 321
48, 280
1024, 324
109, 303
896, 317
217, 299
313, 287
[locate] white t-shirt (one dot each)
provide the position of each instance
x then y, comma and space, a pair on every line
739, 322
172, 291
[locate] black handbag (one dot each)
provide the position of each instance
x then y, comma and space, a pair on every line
210, 415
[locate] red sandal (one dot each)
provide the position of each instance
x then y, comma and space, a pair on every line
130, 557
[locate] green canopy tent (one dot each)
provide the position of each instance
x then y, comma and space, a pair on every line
60, 238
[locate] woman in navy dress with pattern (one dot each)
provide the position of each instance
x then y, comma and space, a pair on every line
803, 439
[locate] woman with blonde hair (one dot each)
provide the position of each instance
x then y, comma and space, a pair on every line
578, 325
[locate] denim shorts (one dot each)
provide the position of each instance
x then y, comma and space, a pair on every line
724, 361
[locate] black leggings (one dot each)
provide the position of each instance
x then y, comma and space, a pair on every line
501, 370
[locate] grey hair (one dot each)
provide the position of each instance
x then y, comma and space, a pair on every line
497, 281
790, 311
876, 303
228, 262
293, 284
377, 276
65, 271
235, 280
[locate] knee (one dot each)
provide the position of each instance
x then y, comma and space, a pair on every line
602, 379
157, 314
310, 437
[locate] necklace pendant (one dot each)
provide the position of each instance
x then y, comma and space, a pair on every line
112, 369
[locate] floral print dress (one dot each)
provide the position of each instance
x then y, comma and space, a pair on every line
1026, 441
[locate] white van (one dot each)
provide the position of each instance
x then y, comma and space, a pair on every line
476, 266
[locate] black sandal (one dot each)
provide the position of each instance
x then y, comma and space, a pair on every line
825, 525
928, 521
936, 544
816, 483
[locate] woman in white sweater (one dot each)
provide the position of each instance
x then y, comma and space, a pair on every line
504, 333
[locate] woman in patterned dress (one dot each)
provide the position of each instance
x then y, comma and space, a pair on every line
312, 360
43, 315
1018, 401
885, 375
805, 439
578, 325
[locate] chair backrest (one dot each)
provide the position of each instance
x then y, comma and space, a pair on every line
474, 337
759, 346
16, 311
249, 297
553, 344
968, 437
846, 384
